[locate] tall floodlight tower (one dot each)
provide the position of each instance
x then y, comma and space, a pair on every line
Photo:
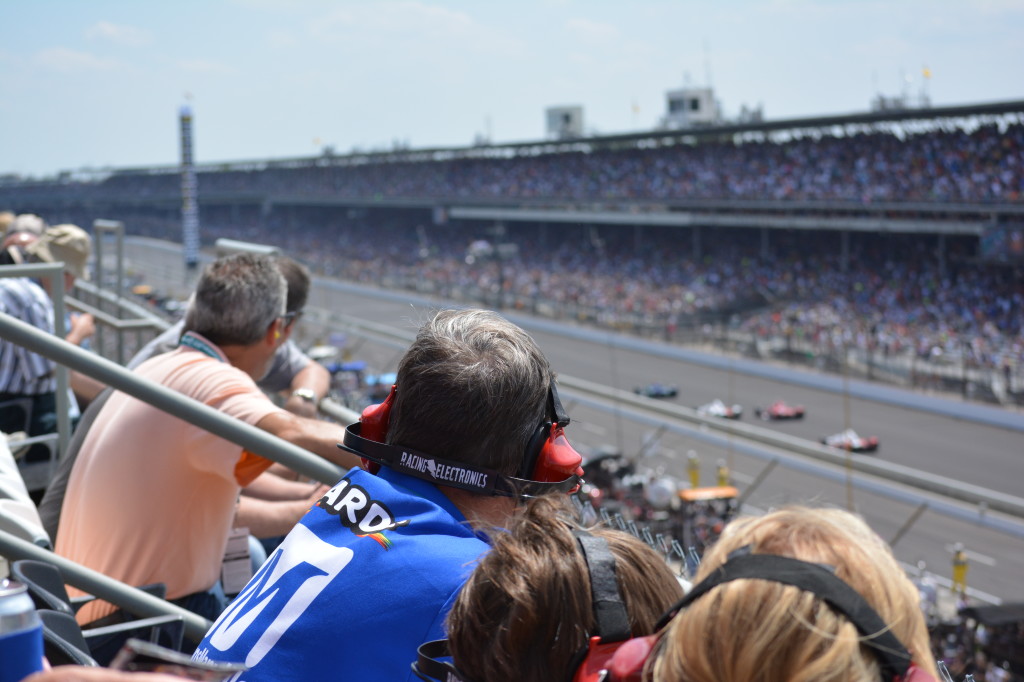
189, 194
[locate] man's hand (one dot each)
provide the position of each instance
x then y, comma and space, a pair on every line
83, 326
302, 406
308, 386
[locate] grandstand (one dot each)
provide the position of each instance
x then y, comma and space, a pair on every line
895, 232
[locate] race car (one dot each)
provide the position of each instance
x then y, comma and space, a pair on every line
717, 408
780, 410
849, 440
657, 390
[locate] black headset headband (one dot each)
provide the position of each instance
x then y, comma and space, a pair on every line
609, 610
447, 472
819, 580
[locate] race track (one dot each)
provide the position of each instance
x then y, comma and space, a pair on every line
975, 453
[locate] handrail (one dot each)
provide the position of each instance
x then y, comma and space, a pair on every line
129, 598
110, 320
124, 304
249, 437
337, 411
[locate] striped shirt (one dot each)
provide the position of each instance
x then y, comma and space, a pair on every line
23, 372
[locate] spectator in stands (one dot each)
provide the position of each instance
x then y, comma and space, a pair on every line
19, 232
751, 616
151, 498
372, 570
292, 369
24, 374
22, 224
533, 603
307, 382
271, 504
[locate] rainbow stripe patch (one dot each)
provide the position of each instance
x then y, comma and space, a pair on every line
381, 539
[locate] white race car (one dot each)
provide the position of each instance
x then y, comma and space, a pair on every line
849, 440
717, 408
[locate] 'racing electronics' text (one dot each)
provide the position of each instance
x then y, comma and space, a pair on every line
447, 473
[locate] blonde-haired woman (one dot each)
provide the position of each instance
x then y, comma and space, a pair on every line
785, 620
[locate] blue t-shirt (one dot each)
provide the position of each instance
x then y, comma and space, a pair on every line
367, 576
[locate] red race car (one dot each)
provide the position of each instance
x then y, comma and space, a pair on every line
780, 410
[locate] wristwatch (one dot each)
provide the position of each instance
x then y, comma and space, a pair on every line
306, 394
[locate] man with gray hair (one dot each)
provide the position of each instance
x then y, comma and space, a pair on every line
473, 424
292, 370
151, 498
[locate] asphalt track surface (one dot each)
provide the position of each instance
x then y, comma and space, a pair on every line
976, 453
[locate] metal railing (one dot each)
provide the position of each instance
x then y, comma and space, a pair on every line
251, 438
203, 416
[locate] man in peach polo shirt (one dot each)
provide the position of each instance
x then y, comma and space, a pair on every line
151, 497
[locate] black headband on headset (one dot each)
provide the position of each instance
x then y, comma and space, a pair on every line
447, 472
609, 609
819, 580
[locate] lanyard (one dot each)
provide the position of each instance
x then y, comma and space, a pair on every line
198, 343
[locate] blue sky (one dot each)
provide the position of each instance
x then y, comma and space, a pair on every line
99, 83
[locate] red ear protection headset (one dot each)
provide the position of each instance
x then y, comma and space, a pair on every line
549, 464
614, 658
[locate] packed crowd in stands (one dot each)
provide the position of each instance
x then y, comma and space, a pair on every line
894, 298
943, 164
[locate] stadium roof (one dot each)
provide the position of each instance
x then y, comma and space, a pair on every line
657, 137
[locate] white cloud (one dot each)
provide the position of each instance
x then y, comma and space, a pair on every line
592, 30
119, 34
68, 60
205, 66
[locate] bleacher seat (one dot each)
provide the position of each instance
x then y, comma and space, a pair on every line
63, 642
47, 588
